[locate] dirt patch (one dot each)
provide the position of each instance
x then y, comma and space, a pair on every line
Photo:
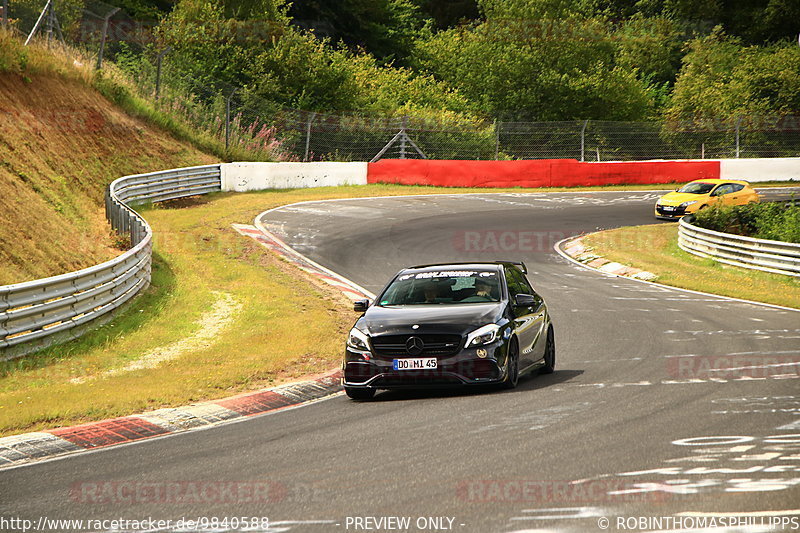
210, 325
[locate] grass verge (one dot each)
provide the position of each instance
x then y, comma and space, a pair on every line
654, 248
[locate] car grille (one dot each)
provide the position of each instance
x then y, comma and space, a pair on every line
398, 380
434, 344
678, 211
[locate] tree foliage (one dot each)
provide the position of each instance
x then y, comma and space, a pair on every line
277, 62
538, 59
723, 78
385, 28
506, 59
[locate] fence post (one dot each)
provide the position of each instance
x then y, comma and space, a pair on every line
228, 119
308, 134
44, 12
103, 38
403, 138
497, 125
738, 123
159, 57
583, 139
50, 23
5, 13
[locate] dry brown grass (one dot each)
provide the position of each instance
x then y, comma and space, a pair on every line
61, 143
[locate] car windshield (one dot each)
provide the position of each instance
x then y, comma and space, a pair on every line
442, 287
697, 188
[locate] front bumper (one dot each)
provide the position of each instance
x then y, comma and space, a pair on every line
365, 370
666, 212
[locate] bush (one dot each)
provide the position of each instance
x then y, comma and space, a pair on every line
773, 221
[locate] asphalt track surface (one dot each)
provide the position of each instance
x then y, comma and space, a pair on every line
631, 424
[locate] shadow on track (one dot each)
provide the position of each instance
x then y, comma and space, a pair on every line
528, 382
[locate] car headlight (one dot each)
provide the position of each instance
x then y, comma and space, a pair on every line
483, 335
687, 204
358, 340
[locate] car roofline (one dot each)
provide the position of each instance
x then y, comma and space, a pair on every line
518, 264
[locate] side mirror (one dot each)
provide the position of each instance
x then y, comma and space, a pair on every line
360, 305
524, 300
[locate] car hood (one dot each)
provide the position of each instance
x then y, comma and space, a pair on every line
459, 318
677, 198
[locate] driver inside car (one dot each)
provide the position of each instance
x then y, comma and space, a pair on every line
483, 292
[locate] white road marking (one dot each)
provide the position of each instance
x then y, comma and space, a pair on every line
560, 513
776, 365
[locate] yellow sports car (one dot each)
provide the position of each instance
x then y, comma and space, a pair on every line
699, 194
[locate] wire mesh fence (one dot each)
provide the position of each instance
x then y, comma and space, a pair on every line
265, 130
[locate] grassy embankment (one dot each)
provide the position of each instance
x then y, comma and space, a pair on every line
655, 248
61, 143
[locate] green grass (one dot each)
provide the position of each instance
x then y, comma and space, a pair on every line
654, 248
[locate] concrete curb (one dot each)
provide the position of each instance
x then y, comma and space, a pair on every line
264, 237
30, 447
576, 250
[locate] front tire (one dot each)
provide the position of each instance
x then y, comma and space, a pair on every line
512, 365
359, 394
549, 353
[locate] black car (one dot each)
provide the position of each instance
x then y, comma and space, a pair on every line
450, 324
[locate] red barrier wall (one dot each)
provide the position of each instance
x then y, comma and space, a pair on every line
536, 173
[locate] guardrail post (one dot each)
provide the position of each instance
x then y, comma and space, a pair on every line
4, 305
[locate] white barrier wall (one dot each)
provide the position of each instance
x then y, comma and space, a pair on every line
241, 177
755, 170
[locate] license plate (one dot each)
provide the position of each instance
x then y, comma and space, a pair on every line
422, 363
666, 208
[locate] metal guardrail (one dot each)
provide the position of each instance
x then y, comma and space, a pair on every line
770, 256
38, 313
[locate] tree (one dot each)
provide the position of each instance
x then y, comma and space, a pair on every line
383, 28
722, 78
538, 59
